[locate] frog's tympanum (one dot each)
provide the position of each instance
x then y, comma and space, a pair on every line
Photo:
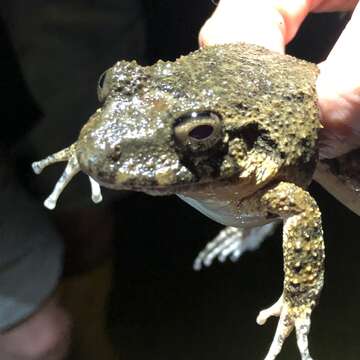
231, 129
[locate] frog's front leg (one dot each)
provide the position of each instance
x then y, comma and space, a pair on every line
72, 168
231, 243
303, 249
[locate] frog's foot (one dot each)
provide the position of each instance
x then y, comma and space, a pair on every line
289, 318
231, 243
72, 168
226, 242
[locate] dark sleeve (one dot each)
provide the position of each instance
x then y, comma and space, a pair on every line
30, 248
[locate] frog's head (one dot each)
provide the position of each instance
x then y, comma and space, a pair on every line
159, 131
154, 133
174, 126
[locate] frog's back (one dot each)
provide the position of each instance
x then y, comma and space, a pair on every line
248, 84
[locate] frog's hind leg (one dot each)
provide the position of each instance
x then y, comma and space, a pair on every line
303, 249
231, 243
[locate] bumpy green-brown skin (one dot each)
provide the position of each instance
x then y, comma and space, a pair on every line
266, 101
303, 245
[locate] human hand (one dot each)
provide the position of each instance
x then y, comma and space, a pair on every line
273, 24
44, 335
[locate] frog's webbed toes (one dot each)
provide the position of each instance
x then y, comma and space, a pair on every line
72, 168
288, 320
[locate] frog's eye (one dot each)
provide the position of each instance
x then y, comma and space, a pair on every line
102, 88
198, 131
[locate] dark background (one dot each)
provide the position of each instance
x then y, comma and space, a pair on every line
159, 308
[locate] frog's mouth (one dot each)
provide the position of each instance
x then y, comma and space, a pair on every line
157, 190
164, 185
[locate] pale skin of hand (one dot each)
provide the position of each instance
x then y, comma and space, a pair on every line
273, 24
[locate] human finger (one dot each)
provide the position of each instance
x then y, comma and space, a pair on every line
235, 21
269, 23
338, 89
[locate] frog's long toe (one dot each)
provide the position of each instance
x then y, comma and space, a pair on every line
273, 310
95, 191
283, 330
62, 155
72, 168
302, 326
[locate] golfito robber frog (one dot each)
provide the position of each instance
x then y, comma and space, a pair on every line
232, 129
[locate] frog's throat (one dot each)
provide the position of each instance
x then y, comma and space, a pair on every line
72, 168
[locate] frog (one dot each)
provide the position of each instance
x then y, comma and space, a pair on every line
232, 130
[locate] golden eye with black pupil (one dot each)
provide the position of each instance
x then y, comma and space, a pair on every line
198, 131
102, 88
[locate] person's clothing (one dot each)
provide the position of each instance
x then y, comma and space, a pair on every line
62, 47
30, 249
30, 255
